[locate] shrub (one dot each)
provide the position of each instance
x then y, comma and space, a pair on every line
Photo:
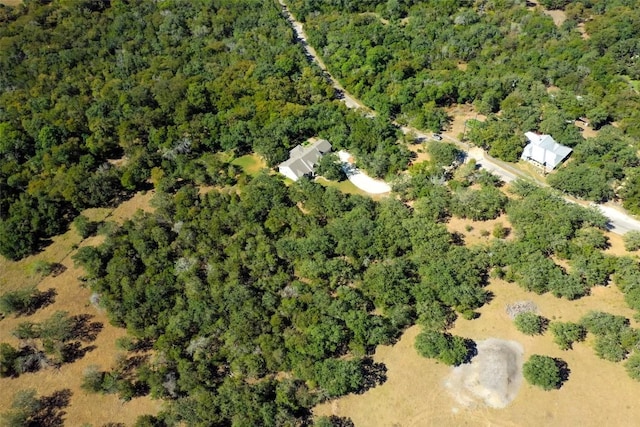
530, 323
633, 366
565, 334
500, 231
631, 240
84, 226
545, 372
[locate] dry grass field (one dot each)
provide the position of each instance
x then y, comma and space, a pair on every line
73, 297
597, 392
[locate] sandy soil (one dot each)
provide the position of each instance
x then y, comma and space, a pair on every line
73, 297
558, 16
597, 392
478, 228
460, 114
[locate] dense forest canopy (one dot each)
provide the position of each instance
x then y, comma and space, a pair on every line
156, 84
410, 59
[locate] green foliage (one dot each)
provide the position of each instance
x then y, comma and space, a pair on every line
8, 357
92, 379
632, 365
609, 347
338, 377
479, 205
330, 167
544, 221
24, 408
600, 323
566, 333
333, 421
543, 371
20, 301
444, 154
530, 323
42, 267
631, 240
582, 180
84, 226
448, 349
500, 231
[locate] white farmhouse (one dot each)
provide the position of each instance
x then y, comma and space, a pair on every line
303, 159
544, 151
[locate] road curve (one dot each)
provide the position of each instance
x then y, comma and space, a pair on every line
620, 222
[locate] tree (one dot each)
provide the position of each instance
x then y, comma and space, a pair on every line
601, 323
609, 347
20, 301
544, 372
448, 349
530, 323
339, 377
566, 333
330, 167
84, 226
24, 408
92, 379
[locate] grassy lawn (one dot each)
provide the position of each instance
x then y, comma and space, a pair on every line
345, 186
252, 164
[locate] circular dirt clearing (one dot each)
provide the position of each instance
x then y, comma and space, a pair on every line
491, 379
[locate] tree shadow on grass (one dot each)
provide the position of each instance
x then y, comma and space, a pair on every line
374, 374
74, 351
472, 350
51, 412
564, 370
41, 300
84, 330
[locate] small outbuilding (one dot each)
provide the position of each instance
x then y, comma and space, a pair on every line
303, 159
544, 151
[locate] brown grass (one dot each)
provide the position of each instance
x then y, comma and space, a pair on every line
597, 392
478, 228
11, 2
460, 114
73, 297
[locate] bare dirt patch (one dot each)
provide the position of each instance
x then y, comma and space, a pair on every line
73, 296
477, 232
460, 115
587, 131
558, 16
492, 378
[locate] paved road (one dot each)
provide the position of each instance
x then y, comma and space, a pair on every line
620, 222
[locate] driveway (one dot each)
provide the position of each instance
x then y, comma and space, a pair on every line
360, 179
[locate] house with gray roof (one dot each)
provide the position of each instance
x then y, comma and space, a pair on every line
303, 159
544, 151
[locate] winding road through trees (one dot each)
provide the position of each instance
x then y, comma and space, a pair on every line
620, 222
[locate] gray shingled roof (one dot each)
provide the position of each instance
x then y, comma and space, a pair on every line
303, 159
